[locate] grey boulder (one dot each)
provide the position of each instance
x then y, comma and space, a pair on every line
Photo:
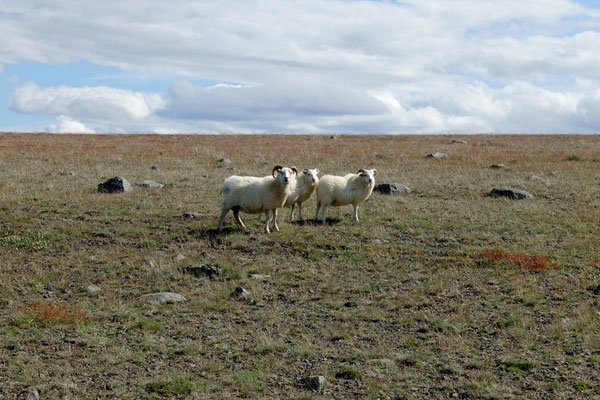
392, 189
513, 194
118, 184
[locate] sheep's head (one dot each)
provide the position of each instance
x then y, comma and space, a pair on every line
284, 174
312, 175
368, 175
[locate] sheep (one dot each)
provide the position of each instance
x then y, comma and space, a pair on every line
337, 191
303, 188
255, 195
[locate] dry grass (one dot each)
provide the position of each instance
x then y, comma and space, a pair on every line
405, 316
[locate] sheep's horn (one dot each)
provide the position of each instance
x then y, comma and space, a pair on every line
275, 168
360, 170
295, 170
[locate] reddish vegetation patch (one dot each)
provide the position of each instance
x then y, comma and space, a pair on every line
52, 314
534, 262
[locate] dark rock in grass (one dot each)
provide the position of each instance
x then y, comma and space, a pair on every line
437, 154
154, 168
118, 184
150, 184
514, 194
487, 143
203, 270
30, 393
595, 289
224, 161
497, 166
9, 302
456, 141
191, 215
241, 293
316, 383
163, 298
395, 189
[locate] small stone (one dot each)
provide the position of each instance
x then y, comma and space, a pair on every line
487, 143
379, 241
497, 166
395, 189
163, 298
9, 302
259, 277
437, 154
224, 161
93, 289
316, 383
204, 270
94, 258
241, 293
457, 141
191, 215
535, 178
154, 168
332, 137
180, 257
150, 184
29, 394
118, 184
514, 194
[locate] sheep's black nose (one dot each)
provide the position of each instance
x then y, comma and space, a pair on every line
285, 179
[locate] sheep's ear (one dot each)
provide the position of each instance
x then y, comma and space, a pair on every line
276, 168
305, 171
374, 172
361, 172
317, 171
295, 170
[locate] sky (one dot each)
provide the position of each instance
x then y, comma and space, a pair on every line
288, 66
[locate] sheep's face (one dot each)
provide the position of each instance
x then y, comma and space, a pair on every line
284, 175
367, 175
312, 175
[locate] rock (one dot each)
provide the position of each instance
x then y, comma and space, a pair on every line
150, 184
316, 383
93, 289
259, 277
395, 189
203, 270
437, 154
154, 168
9, 302
487, 143
30, 393
536, 178
223, 162
118, 184
514, 194
379, 241
456, 141
332, 137
191, 215
241, 293
180, 257
163, 298
497, 166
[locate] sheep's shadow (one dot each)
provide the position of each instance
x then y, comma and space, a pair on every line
316, 222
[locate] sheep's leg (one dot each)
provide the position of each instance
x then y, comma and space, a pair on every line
355, 212
323, 214
292, 212
223, 214
317, 214
300, 212
275, 227
267, 219
236, 216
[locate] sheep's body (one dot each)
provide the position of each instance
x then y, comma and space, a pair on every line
254, 195
338, 191
302, 189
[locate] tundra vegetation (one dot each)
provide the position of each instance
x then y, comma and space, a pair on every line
441, 293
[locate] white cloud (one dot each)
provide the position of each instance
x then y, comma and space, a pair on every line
318, 65
85, 102
65, 124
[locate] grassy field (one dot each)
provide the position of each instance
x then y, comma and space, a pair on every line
441, 293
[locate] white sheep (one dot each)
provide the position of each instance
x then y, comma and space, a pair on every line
337, 191
304, 187
254, 195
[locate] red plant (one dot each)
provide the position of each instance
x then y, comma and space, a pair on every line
51, 314
535, 262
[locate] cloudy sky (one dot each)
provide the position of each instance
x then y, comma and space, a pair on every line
312, 66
